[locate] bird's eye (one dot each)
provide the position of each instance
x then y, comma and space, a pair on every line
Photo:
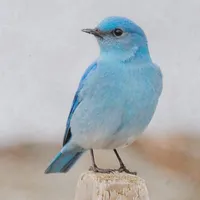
117, 32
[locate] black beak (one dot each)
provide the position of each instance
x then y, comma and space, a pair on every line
94, 32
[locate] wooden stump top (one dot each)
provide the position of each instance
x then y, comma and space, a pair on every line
115, 186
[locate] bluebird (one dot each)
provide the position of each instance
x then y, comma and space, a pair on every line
116, 98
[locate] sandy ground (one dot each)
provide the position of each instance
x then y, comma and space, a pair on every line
22, 171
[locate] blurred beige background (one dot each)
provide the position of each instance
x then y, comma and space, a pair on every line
43, 54
169, 166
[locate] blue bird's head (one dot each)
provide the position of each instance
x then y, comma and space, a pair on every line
120, 36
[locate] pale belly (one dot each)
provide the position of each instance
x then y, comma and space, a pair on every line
110, 128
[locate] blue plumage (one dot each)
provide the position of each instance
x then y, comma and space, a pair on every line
77, 99
116, 97
63, 162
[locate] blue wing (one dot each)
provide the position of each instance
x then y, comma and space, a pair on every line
76, 101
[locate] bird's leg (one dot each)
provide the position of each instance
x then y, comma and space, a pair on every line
122, 166
94, 167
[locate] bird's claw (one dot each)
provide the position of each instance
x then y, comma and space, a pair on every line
124, 169
107, 171
99, 170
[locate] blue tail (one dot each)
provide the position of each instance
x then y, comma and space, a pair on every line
63, 162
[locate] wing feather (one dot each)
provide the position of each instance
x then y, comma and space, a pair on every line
76, 101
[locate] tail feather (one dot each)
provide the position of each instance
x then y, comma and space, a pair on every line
63, 162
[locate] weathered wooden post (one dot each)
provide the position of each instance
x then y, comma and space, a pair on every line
114, 186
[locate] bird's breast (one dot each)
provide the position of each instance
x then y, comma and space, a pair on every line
123, 85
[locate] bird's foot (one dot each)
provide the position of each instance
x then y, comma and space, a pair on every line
99, 170
124, 169
108, 171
